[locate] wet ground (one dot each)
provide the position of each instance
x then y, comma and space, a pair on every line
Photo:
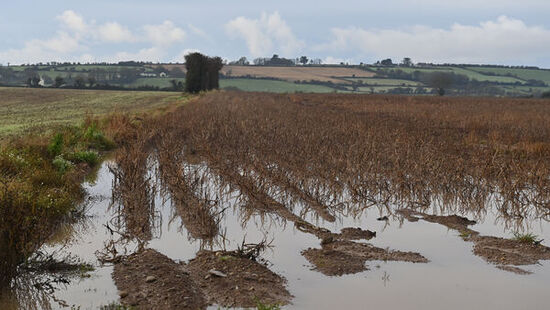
450, 277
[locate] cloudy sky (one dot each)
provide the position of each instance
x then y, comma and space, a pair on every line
466, 31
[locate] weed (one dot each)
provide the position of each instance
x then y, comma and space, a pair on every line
89, 157
226, 258
56, 145
115, 306
526, 238
62, 165
464, 234
261, 306
97, 139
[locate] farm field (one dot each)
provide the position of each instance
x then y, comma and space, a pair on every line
458, 70
272, 86
526, 74
324, 74
24, 108
385, 82
389, 198
156, 82
333, 74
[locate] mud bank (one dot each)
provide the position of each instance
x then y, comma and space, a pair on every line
346, 257
150, 280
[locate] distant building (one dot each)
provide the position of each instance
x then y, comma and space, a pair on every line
143, 74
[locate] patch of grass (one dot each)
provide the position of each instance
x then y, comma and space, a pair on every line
115, 306
526, 238
465, 234
261, 306
89, 157
96, 138
61, 165
56, 145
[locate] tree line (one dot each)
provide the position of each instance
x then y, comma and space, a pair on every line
203, 72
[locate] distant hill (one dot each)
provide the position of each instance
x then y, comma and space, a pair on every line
420, 79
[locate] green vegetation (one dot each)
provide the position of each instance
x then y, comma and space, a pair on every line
25, 108
526, 238
281, 78
525, 74
260, 85
39, 186
261, 306
473, 75
154, 82
115, 306
89, 157
385, 82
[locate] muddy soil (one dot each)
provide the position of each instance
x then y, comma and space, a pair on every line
356, 233
150, 280
346, 257
451, 221
507, 254
232, 281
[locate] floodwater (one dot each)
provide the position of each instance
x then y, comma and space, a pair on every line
453, 279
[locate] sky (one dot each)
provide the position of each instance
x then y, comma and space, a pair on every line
501, 32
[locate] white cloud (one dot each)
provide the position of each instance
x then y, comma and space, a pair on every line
35, 50
153, 54
501, 40
114, 32
73, 21
269, 34
76, 35
164, 34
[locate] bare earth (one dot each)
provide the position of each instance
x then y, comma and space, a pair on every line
346, 257
150, 280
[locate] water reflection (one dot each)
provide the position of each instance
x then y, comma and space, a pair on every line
205, 195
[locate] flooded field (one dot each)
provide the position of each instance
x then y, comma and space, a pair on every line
312, 202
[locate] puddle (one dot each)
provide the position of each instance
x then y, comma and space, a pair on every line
453, 278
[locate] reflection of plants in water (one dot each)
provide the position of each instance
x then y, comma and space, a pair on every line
309, 158
39, 278
134, 194
386, 278
374, 152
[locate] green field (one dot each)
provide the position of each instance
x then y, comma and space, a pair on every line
525, 90
273, 86
23, 108
156, 82
526, 74
457, 70
385, 82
